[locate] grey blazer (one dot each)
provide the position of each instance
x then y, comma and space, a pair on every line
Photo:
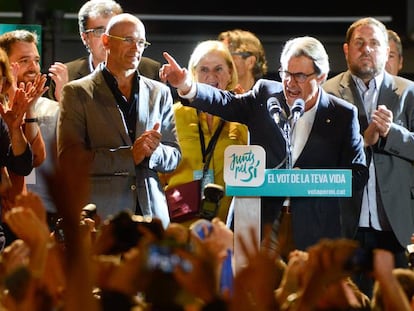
393, 156
90, 118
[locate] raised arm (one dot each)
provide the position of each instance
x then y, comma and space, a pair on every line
13, 116
175, 75
58, 72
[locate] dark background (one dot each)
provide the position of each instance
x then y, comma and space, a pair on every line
177, 26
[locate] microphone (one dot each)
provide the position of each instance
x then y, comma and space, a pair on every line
274, 108
297, 110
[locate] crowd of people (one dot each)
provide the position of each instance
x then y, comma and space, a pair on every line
86, 161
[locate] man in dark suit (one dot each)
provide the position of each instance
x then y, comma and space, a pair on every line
385, 217
93, 17
326, 136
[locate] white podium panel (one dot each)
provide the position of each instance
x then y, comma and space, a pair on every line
246, 215
247, 180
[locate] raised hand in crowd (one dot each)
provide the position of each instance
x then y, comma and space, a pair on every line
35, 235
30, 227
59, 74
217, 239
69, 186
323, 273
392, 293
255, 283
202, 279
291, 281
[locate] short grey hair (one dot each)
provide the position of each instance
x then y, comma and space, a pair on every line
309, 47
97, 8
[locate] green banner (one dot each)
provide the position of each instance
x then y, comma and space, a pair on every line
33, 28
299, 183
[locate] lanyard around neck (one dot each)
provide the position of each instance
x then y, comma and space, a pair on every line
207, 153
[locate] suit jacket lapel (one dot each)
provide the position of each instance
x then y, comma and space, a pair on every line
389, 93
142, 109
349, 92
321, 117
83, 69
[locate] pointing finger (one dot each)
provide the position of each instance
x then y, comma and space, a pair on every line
171, 61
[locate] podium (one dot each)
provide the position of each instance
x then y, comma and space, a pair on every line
247, 181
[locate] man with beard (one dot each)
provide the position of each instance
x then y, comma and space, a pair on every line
384, 217
40, 118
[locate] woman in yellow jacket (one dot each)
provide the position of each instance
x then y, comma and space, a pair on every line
211, 63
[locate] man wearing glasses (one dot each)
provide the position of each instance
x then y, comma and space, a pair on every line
125, 122
93, 17
248, 56
325, 137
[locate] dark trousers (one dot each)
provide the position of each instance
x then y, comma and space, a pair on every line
286, 235
371, 239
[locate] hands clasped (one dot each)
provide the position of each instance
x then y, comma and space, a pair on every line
380, 126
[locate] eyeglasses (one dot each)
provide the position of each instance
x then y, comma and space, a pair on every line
242, 54
130, 40
96, 32
299, 77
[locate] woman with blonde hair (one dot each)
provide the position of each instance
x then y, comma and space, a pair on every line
211, 63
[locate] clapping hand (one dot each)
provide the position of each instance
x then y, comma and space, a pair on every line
13, 112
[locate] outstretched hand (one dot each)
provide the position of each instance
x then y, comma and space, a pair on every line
175, 75
13, 111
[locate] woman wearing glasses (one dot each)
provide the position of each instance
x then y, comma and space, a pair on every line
325, 137
248, 55
202, 135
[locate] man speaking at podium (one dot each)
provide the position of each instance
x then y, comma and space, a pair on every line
300, 126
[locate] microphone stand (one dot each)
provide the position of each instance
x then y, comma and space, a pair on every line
289, 134
287, 127
287, 130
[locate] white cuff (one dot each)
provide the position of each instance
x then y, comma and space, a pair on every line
191, 94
